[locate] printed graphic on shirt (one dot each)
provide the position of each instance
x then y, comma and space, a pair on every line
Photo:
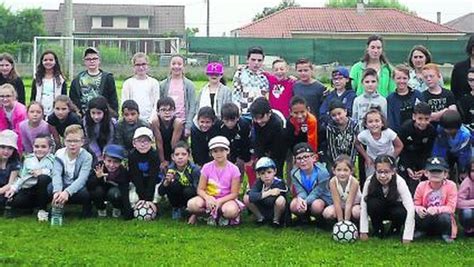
437, 104
434, 198
144, 167
278, 90
90, 88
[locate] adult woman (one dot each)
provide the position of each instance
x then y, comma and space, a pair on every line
374, 58
459, 84
419, 56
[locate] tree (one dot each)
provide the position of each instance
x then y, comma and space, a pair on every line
270, 10
22, 26
191, 32
370, 3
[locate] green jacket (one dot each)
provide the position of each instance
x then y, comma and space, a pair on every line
386, 83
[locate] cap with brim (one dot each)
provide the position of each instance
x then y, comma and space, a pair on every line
9, 138
143, 131
341, 71
219, 141
91, 50
265, 163
115, 151
336, 103
436, 164
302, 148
215, 68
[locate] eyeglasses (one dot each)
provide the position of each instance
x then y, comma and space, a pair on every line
143, 141
303, 158
5, 96
91, 59
164, 110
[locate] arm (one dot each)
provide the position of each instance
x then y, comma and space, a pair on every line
57, 179
192, 105
55, 134
178, 127
111, 92
20, 90
63, 88
74, 92
299, 190
350, 199
84, 172
451, 199
407, 201
255, 193
463, 195
397, 146
33, 91
336, 198
362, 151
364, 216
155, 127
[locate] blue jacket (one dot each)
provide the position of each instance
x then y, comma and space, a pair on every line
347, 98
394, 106
82, 171
458, 146
320, 188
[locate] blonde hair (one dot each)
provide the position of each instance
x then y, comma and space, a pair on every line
10, 87
140, 55
74, 129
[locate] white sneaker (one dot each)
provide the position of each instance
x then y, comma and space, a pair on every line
116, 213
42, 216
102, 213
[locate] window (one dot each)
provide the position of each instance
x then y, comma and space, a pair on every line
133, 22
107, 21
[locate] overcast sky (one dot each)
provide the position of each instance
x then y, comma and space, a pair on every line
227, 15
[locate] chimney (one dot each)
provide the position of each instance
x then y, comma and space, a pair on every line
438, 17
360, 7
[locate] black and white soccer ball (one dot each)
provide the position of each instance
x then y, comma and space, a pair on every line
345, 232
145, 210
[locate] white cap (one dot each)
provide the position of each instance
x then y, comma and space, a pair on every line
143, 131
219, 141
9, 138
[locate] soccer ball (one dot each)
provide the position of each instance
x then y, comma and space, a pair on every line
345, 232
145, 210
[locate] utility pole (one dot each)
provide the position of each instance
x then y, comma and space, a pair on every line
68, 24
208, 17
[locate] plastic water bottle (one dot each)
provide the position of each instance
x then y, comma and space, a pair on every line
8, 213
57, 215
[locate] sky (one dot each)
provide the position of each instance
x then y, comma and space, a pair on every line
227, 15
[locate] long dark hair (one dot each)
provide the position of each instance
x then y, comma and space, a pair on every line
40, 70
375, 187
105, 129
372, 38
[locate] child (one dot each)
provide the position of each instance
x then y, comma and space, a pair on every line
8, 74
436, 96
342, 92
453, 143
218, 188
215, 93
49, 81
64, 115
35, 126
182, 91
167, 129
401, 102
71, 170
93, 82
341, 133
203, 130
141, 87
307, 87
378, 139
267, 197
9, 163
435, 202
386, 197
250, 82
31, 188
418, 138
181, 180
281, 87
310, 180
12, 112
269, 134
345, 192
99, 126
465, 106
110, 182
144, 164
370, 98
302, 126
237, 130
465, 203
128, 124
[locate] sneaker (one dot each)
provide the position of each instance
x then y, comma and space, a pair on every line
176, 214
116, 213
223, 221
102, 213
447, 238
260, 221
276, 224
211, 221
42, 216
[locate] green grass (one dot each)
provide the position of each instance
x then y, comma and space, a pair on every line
165, 242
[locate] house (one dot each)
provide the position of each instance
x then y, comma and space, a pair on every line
109, 20
463, 24
346, 23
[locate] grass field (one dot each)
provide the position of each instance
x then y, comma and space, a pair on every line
165, 242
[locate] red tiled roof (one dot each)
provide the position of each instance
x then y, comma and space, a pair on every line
333, 20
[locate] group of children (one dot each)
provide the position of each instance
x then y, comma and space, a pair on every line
412, 147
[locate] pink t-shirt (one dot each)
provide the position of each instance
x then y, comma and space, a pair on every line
281, 92
219, 180
176, 91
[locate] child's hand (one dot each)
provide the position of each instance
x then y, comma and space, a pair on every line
422, 213
4, 189
187, 133
36, 172
302, 205
274, 192
211, 203
169, 178
61, 197
364, 236
164, 166
412, 174
419, 174
369, 162
99, 171
10, 192
432, 211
